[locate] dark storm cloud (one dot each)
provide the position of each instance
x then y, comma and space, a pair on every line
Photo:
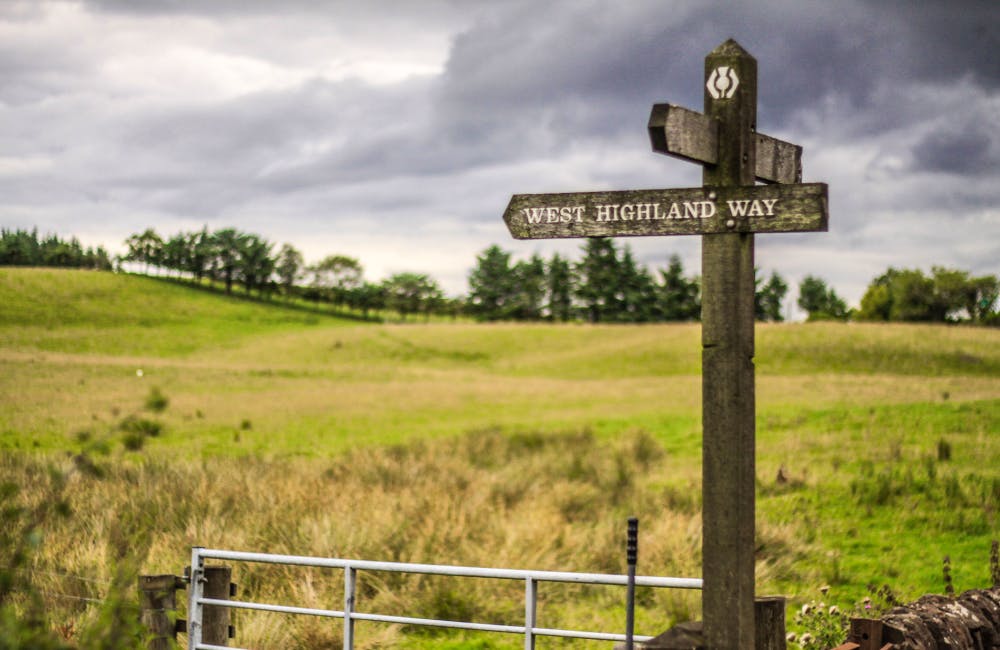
964, 151
533, 56
942, 41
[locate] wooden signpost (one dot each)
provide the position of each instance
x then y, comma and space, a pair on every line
727, 210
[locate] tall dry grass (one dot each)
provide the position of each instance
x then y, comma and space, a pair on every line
551, 502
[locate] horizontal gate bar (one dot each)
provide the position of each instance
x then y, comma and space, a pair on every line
408, 620
449, 570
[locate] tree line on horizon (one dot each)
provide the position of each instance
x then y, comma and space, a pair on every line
606, 285
231, 257
27, 248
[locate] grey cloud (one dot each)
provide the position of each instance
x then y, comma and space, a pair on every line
958, 151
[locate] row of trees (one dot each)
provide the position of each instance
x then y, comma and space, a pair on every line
24, 248
945, 295
227, 256
605, 286
234, 258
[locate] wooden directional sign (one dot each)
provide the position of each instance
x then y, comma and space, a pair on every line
727, 210
692, 136
691, 211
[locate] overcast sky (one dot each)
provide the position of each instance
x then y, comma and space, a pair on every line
396, 132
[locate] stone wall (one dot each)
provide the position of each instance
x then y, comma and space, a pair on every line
970, 621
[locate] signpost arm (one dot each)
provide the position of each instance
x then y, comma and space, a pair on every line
727, 365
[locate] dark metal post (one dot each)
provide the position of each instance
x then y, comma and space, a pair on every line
632, 555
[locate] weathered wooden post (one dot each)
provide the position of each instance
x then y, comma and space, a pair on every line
215, 620
727, 370
158, 609
769, 623
727, 210
209, 623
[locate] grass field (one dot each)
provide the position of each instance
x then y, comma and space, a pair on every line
183, 417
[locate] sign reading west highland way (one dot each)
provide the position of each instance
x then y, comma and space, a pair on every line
727, 211
692, 211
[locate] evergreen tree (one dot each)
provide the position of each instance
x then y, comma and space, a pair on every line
597, 280
492, 286
636, 291
560, 288
530, 284
23, 248
678, 297
20, 248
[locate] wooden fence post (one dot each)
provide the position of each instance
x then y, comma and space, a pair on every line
769, 623
215, 619
866, 632
158, 609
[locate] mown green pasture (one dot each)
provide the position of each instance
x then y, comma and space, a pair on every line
877, 451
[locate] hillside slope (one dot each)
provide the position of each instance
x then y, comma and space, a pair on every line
72, 343
74, 311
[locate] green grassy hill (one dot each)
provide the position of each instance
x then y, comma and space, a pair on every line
74, 311
531, 442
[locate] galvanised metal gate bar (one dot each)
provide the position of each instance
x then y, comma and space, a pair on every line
530, 629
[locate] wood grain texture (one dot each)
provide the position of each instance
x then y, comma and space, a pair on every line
682, 133
796, 208
777, 161
728, 408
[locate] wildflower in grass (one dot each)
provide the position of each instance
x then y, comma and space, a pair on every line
834, 610
791, 637
806, 640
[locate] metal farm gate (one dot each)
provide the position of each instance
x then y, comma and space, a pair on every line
530, 629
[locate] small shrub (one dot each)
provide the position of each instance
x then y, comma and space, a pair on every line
141, 426
824, 626
156, 401
943, 450
133, 441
